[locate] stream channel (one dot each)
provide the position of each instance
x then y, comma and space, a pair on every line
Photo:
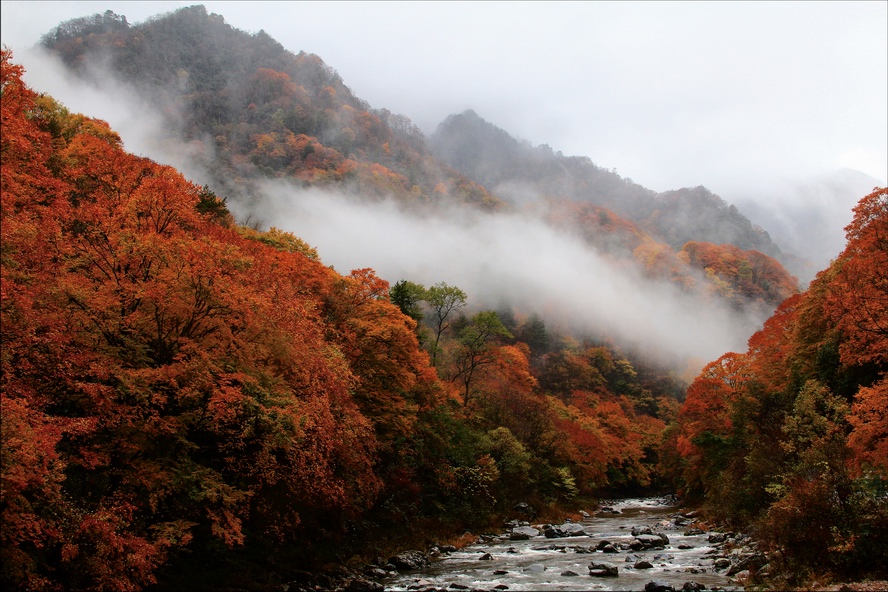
541, 563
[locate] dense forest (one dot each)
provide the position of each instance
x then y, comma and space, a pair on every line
792, 436
176, 386
188, 401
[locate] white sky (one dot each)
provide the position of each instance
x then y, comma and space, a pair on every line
671, 94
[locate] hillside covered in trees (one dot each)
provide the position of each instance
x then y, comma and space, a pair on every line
791, 437
179, 390
191, 402
251, 110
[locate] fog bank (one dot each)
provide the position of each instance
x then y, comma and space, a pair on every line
512, 258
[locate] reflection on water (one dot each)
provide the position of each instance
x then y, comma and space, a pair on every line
563, 563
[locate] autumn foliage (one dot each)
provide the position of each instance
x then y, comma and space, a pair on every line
791, 436
178, 390
168, 379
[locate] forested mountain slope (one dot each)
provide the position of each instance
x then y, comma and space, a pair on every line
791, 437
255, 110
521, 172
197, 404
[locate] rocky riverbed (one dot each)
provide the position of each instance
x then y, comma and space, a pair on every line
636, 544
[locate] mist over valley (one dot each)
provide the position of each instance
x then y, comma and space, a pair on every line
261, 334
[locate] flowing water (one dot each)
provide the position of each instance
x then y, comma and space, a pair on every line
544, 564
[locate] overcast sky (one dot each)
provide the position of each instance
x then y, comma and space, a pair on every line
671, 94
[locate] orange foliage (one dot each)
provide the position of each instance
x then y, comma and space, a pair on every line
869, 438
859, 297
736, 273
164, 376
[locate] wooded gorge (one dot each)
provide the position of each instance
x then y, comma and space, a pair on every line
189, 401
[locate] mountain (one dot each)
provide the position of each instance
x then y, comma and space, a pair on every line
251, 110
254, 110
518, 171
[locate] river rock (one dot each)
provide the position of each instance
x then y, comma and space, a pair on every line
552, 532
692, 586
603, 570
584, 514
573, 529
722, 563
648, 541
642, 564
371, 571
569, 574
693, 532
486, 557
410, 560
455, 586
522, 533
658, 586
747, 562
717, 537
568, 529
609, 511
637, 530
500, 572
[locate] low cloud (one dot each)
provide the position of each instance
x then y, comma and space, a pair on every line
515, 259
145, 131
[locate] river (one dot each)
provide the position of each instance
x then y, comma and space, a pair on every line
544, 564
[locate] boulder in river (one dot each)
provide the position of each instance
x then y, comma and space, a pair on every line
522, 533
642, 564
722, 563
558, 531
649, 541
371, 571
717, 537
486, 557
573, 529
603, 570
410, 560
